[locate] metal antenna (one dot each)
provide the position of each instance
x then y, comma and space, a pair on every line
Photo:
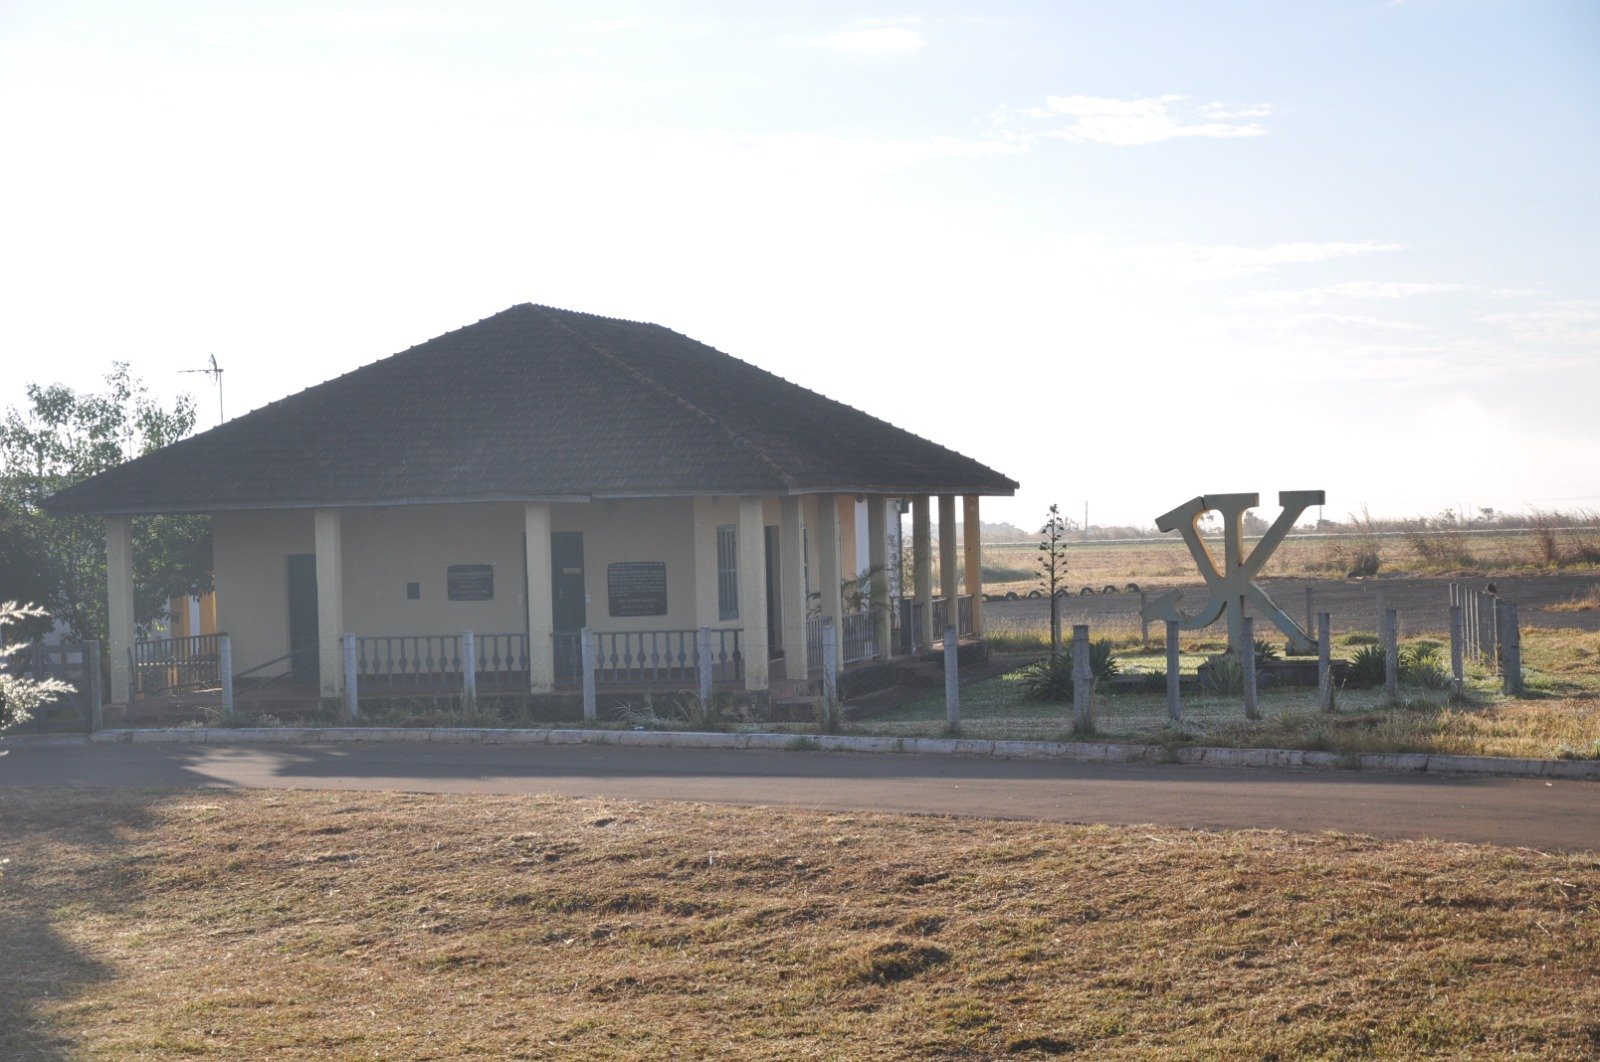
215, 372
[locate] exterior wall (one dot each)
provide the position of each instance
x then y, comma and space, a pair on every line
850, 564
387, 547
252, 595
649, 529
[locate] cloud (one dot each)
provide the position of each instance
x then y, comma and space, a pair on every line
1372, 291
1133, 122
1217, 261
877, 40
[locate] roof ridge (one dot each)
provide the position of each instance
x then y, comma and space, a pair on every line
649, 380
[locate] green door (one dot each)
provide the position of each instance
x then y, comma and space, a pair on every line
304, 665
567, 605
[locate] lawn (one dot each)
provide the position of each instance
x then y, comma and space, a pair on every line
314, 925
1558, 716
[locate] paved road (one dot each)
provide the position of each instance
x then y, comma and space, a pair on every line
1559, 815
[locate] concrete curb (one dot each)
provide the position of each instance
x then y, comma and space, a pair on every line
1067, 751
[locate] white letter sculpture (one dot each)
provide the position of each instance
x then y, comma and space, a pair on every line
1234, 585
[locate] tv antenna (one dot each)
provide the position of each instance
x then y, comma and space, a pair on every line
215, 372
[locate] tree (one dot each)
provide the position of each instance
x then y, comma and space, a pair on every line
1053, 571
60, 437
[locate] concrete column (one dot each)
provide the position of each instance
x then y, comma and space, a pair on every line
707, 610
825, 529
878, 560
541, 615
949, 566
119, 603
330, 600
792, 587
972, 543
922, 561
753, 592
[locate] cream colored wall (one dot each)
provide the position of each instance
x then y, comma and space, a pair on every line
387, 547
644, 529
849, 565
248, 561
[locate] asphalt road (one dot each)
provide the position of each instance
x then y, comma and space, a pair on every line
1534, 813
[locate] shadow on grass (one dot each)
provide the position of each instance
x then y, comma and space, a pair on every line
43, 968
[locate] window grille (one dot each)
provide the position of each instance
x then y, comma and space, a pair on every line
727, 572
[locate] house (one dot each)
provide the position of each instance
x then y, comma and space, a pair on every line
535, 474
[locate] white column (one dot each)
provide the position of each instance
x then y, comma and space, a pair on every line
753, 592
707, 602
792, 587
330, 600
826, 530
878, 561
972, 543
922, 561
541, 615
119, 603
949, 566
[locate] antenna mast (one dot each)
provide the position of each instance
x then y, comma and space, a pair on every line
215, 372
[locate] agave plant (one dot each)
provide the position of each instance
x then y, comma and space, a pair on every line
1051, 680
1367, 667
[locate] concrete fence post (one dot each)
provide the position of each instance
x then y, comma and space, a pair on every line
1247, 657
587, 663
225, 672
352, 678
703, 665
93, 692
1174, 701
1458, 664
1511, 647
1310, 614
1082, 679
830, 673
1391, 653
952, 678
1325, 661
469, 671
1489, 612
1144, 624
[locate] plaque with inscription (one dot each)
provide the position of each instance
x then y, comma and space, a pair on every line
637, 588
470, 582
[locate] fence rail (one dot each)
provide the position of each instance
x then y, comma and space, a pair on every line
434, 661
77, 665
911, 619
165, 666
653, 658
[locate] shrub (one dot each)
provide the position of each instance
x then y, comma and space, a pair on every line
1422, 664
1266, 650
1367, 666
1226, 673
1051, 680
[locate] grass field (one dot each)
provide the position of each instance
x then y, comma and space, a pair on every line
1558, 716
233, 924
1166, 559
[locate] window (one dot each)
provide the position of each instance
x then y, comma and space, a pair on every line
727, 572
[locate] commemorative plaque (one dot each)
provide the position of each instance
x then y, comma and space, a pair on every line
637, 588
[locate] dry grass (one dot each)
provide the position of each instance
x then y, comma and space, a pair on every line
1588, 601
316, 925
1166, 559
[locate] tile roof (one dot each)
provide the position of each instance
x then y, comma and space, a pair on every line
535, 403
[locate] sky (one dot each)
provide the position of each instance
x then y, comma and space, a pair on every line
1124, 253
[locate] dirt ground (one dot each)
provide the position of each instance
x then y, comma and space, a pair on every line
1423, 603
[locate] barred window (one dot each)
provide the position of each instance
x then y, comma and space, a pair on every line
727, 572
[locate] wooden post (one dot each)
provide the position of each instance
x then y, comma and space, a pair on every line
1247, 657
1325, 661
830, 674
952, 677
1144, 624
1458, 669
586, 656
1511, 647
352, 690
225, 672
1174, 703
1391, 653
703, 664
1082, 679
93, 693
469, 672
